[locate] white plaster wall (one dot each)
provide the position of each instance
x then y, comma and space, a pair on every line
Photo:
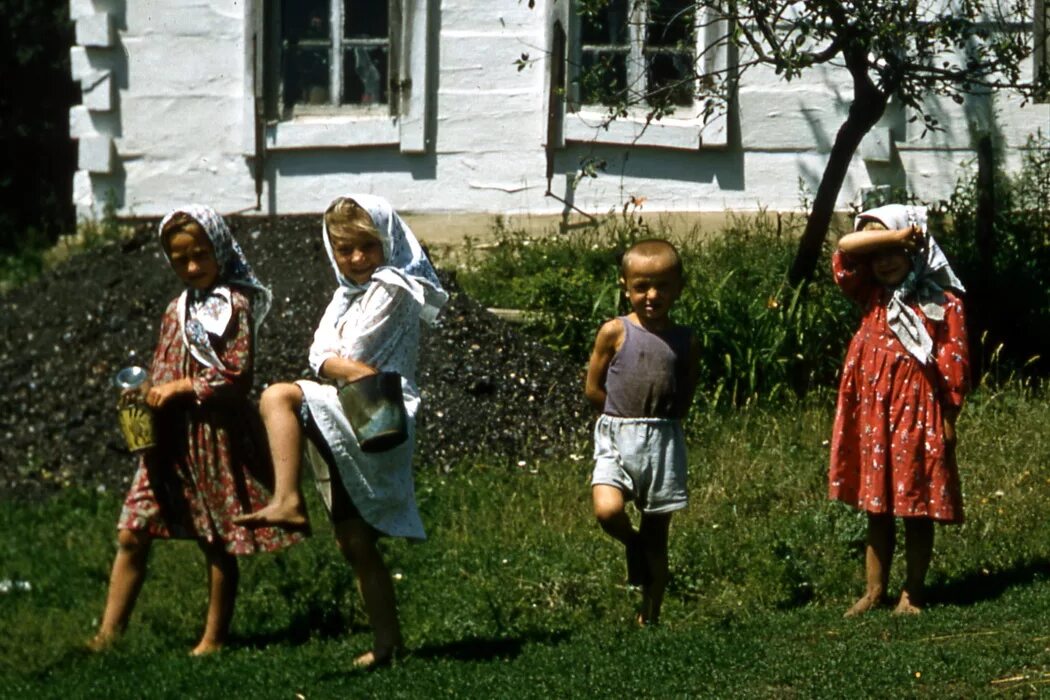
179, 132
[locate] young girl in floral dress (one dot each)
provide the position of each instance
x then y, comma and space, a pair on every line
210, 461
905, 376
386, 287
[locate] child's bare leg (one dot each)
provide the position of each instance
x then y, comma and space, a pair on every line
223, 576
610, 510
877, 560
357, 541
918, 550
125, 582
279, 406
653, 533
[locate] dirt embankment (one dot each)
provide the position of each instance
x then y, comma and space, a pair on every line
487, 391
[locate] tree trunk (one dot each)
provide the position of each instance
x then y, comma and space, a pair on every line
864, 113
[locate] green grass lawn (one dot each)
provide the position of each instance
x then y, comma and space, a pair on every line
518, 594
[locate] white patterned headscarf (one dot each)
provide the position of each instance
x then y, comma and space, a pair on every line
405, 264
930, 275
208, 312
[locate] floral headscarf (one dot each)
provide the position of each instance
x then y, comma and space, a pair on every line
209, 311
402, 255
930, 275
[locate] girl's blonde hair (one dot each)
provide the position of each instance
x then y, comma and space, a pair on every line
872, 225
345, 217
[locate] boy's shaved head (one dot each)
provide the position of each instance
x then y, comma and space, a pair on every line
651, 248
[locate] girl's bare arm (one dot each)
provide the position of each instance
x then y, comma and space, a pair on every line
346, 369
860, 242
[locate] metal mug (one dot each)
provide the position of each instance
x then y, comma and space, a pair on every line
375, 407
134, 416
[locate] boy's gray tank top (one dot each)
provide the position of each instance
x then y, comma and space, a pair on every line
647, 375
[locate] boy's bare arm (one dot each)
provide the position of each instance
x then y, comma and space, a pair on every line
606, 343
860, 242
346, 369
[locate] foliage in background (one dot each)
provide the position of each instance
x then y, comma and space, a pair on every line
34, 253
760, 337
36, 92
1006, 272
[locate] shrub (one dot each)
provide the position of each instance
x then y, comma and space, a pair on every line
761, 339
1008, 300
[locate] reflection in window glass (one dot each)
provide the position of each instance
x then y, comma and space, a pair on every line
366, 19
306, 76
670, 23
603, 77
365, 75
347, 64
607, 25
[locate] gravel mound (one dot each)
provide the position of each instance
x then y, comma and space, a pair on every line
488, 392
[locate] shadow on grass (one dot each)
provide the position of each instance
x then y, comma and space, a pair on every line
978, 586
311, 625
486, 648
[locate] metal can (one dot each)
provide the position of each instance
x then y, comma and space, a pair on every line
133, 414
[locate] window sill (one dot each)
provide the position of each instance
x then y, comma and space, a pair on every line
331, 131
685, 134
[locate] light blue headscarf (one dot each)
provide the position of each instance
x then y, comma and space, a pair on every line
209, 311
405, 264
930, 275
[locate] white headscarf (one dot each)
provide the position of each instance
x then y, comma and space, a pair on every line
204, 312
930, 275
405, 264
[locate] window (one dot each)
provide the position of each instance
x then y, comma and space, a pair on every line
337, 53
341, 73
649, 53
642, 51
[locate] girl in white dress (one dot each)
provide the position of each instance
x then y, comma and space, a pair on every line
386, 287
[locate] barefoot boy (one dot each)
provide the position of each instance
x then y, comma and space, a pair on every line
641, 377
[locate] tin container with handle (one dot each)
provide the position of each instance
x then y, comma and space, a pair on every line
375, 407
135, 417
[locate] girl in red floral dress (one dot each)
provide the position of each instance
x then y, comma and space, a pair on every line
905, 375
210, 459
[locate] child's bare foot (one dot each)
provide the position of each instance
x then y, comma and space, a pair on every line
866, 603
204, 648
101, 642
289, 514
907, 606
372, 660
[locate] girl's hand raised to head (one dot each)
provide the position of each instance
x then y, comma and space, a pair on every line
162, 393
909, 238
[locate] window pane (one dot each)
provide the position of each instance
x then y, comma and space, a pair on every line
366, 19
671, 78
606, 26
305, 19
603, 76
365, 75
306, 76
671, 23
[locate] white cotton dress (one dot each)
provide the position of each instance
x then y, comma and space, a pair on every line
381, 328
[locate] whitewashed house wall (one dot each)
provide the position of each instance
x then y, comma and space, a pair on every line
172, 89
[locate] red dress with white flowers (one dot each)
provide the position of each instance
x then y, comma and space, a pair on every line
888, 452
210, 462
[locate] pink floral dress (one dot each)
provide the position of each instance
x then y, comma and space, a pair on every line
210, 462
888, 452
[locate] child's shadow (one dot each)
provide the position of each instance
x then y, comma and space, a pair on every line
980, 586
486, 648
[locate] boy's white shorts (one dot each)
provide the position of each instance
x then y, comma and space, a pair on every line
643, 457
